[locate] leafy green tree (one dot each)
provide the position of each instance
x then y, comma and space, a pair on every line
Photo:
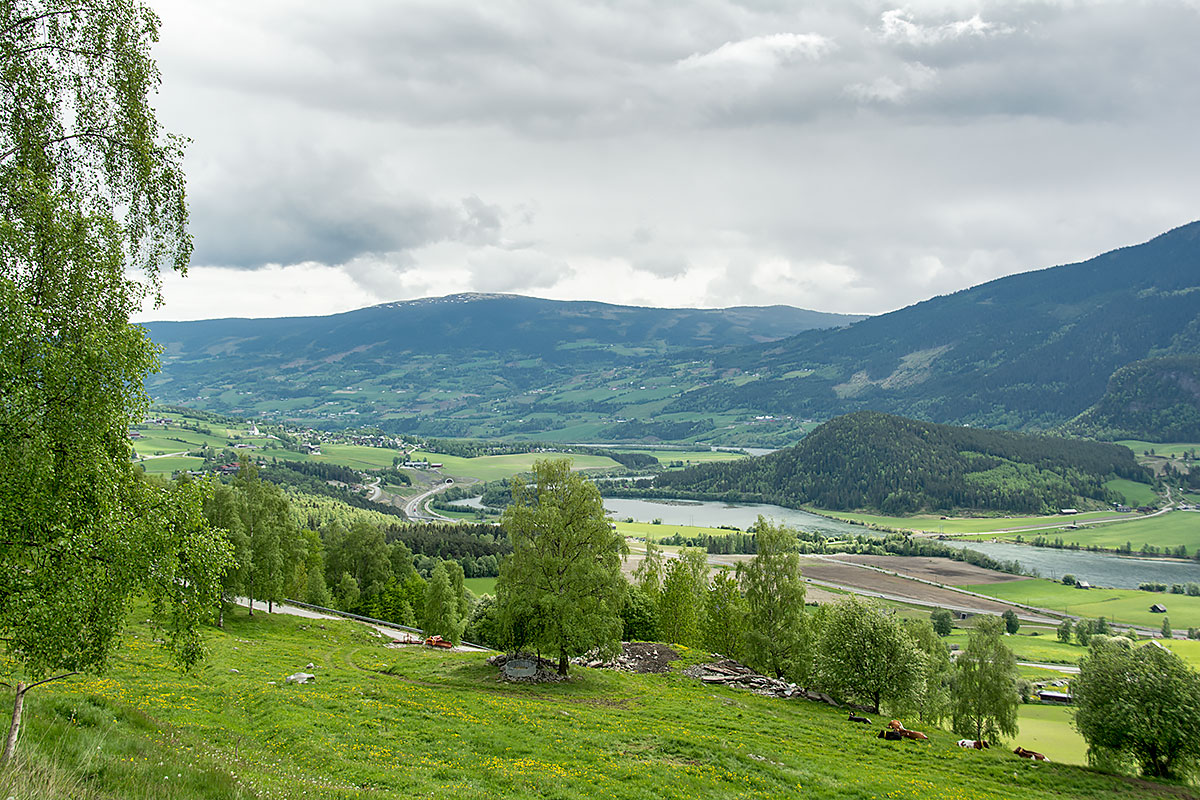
681, 601
1102, 628
639, 617
274, 537
1011, 623
649, 573
224, 512
725, 613
932, 700
93, 204
943, 622
1165, 630
1138, 704
866, 653
1083, 631
562, 586
775, 636
441, 606
1065, 629
985, 699
346, 592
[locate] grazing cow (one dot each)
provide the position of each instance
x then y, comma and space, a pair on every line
896, 725
890, 735
915, 735
974, 744
1023, 753
855, 718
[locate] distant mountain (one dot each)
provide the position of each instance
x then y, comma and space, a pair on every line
439, 365
879, 462
1026, 351
1156, 399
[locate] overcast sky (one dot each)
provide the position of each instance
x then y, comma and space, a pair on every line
846, 155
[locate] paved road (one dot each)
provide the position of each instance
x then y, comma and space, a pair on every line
394, 633
416, 509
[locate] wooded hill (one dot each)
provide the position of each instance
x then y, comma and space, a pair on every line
879, 462
1157, 399
1026, 351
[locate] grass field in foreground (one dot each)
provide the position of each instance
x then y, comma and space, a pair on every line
1119, 605
490, 468
384, 723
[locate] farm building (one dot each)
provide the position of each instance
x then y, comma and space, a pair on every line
1047, 696
1082, 585
1158, 608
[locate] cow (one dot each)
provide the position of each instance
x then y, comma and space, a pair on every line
914, 735
973, 744
1023, 753
890, 735
856, 718
896, 725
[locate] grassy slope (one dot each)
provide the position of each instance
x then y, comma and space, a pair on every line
1121, 605
1174, 449
383, 723
1136, 494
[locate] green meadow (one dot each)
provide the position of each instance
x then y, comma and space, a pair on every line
1167, 531
1174, 449
1135, 494
1128, 606
956, 525
382, 722
490, 468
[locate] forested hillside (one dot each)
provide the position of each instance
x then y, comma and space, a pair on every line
869, 460
1157, 399
1025, 351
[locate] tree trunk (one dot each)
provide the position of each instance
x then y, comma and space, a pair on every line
270, 606
250, 603
15, 727
563, 664
221, 613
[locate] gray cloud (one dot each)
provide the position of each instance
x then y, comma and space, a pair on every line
848, 156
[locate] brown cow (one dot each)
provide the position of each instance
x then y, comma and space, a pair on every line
1023, 753
916, 735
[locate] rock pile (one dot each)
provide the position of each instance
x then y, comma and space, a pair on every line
641, 657
728, 672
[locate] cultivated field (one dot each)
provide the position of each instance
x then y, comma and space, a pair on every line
941, 570
961, 525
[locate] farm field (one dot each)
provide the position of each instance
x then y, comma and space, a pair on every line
1136, 494
941, 570
956, 525
1044, 649
169, 464
687, 457
382, 722
480, 586
490, 468
652, 532
1128, 606
1167, 531
1174, 449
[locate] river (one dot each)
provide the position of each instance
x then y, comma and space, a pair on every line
1096, 568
